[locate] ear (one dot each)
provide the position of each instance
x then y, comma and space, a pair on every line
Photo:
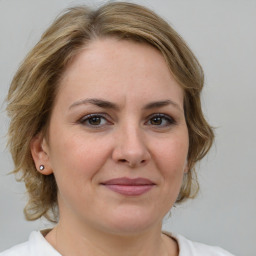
40, 153
186, 168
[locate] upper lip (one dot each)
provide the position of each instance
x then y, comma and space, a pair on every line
128, 181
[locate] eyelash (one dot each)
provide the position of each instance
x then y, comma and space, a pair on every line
161, 117
86, 120
169, 120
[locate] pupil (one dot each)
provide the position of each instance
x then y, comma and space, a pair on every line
157, 121
94, 120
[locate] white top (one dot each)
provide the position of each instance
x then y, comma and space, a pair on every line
37, 245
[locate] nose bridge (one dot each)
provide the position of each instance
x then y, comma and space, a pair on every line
131, 146
132, 137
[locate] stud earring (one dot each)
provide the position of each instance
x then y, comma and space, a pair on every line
41, 167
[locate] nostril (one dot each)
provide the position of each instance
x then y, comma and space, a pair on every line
131, 163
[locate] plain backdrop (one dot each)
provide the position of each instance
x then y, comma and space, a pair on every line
222, 34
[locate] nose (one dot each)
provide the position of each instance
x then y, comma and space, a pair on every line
131, 148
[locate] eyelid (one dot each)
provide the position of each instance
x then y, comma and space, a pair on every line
169, 118
85, 118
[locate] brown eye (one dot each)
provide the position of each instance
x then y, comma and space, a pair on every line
94, 120
156, 121
160, 120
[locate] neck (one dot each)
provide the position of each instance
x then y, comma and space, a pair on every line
85, 241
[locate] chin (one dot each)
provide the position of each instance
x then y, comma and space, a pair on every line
133, 221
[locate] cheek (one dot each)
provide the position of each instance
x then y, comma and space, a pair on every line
172, 154
171, 161
76, 161
77, 157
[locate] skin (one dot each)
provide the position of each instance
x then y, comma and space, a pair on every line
127, 140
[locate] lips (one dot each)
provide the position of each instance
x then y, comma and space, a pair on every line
129, 187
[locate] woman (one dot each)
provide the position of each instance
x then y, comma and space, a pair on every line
106, 129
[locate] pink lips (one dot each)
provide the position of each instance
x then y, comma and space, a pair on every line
129, 187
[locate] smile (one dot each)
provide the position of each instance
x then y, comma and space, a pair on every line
129, 187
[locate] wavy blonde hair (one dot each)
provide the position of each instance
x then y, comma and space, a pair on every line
34, 88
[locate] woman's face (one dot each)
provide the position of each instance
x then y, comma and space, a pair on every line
118, 139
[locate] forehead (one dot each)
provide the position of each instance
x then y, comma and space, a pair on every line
119, 68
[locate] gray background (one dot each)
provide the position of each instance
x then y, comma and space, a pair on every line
222, 33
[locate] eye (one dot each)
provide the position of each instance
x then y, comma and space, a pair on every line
160, 120
94, 120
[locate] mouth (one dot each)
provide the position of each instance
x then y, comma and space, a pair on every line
129, 187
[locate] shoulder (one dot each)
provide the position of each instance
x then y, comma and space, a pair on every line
21, 249
195, 248
35, 246
187, 247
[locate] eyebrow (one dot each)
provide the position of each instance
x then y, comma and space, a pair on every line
110, 105
98, 102
163, 103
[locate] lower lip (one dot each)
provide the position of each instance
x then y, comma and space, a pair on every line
130, 190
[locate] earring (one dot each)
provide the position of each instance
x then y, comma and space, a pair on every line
41, 167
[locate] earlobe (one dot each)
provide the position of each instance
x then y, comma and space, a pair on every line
186, 168
40, 154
